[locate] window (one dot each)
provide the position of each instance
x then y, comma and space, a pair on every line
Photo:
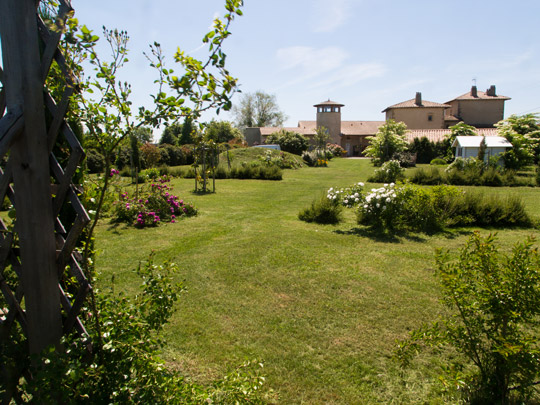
430, 117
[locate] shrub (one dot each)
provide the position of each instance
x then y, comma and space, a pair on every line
428, 176
95, 162
336, 149
322, 211
390, 171
380, 209
538, 176
152, 206
438, 162
495, 305
348, 197
389, 140
291, 142
405, 159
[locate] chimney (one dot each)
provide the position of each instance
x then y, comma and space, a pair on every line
474, 91
491, 91
418, 100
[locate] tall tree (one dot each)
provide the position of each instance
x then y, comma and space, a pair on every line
222, 131
258, 109
171, 134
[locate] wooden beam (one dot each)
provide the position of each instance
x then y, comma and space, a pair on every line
29, 153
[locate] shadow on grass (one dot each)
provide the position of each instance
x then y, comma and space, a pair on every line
397, 236
116, 227
381, 236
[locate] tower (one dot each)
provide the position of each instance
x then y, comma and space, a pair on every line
329, 116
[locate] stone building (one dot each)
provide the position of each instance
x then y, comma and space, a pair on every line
423, 118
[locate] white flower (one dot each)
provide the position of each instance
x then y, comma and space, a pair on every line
356, 195
388, 200
346, 201
378, 205
392, 184
356, 200
361, 184
385, 184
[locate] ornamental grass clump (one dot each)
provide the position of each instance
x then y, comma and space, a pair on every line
153, 206
322, 211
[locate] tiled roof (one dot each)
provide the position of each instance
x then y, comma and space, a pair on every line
265, 131
329, 102
412, 104
436, 135
360, 127
451, 118
481, 95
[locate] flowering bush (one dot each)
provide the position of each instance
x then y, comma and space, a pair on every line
336, 149
155, 205
380, 209
348, 197
390, 171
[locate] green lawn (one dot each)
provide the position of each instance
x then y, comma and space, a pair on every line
320, 305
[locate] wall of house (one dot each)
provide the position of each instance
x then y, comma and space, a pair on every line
354, 144
418, 117
478, 113
331, 121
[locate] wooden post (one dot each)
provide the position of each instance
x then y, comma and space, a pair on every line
31, 177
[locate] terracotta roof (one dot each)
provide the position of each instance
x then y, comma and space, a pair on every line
436, 135
412, 104
451, 118
481, 95
329, 102
360, 127
265, 131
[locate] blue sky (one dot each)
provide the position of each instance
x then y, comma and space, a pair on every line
366, 54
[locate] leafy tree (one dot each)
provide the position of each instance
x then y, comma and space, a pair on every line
150, 154
289, 141
523, 132
222, 131
143, 134
187, 133
258, 110
171, 134
321, 137
495, 303
388, 141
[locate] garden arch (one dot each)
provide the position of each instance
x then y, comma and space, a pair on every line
38, 250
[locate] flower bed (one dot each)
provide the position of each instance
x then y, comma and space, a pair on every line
154, 205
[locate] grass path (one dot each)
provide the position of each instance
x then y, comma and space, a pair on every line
320, 305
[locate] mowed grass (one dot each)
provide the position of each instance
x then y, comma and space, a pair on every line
320, 305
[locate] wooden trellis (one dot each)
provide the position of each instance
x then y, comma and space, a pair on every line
39, 248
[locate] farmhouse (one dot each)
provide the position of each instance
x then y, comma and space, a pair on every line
423, 118
469, 146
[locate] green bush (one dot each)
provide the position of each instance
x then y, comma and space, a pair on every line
409, 207
438, 162
291, 142
322, 211
95, 162
428, 176
494, 303
389, 172
152, 206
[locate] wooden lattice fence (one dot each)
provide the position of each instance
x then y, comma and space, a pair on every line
38, 247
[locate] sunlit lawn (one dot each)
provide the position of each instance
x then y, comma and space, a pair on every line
320, 305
